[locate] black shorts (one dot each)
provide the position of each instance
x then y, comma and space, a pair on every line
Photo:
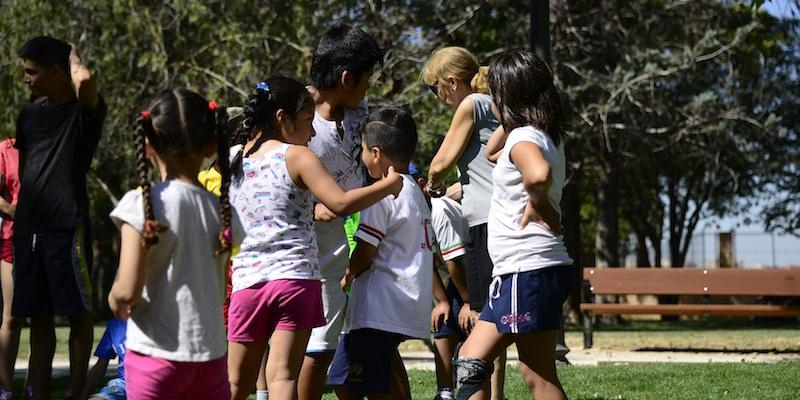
51, 273
451, 328
363, 361
479, 266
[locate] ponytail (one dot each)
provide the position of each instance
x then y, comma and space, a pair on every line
143, 127
480, 81
225, 237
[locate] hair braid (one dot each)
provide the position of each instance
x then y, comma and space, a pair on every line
225, 235
151, 227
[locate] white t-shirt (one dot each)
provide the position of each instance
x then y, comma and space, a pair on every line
278, 219
534, 247
339, 149
179, 316
448, 227
395, 293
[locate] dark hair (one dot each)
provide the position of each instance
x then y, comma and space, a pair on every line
47, 51
392, 130
273, 94
343, 48
180, 124
522, 87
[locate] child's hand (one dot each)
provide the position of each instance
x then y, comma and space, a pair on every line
120, 310
546, 216
323, 214
440, 313
346, 281
395, 181
465, 318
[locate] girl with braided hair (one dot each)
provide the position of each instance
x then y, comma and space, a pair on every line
176, 241
276, 278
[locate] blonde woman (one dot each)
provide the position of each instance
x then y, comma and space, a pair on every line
455, 77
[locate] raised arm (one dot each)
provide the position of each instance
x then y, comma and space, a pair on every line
129, 283
306, 170
82, 80
454, 143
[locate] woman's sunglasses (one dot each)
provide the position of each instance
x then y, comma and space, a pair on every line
434, 88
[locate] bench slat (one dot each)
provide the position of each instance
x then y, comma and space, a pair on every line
694, 309
691, 281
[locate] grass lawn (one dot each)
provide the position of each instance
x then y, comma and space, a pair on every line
639, 381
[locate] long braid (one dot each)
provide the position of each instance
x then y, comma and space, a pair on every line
247, 130
151, 227
225, 236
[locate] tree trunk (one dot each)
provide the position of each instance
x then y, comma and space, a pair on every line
607, 235
642, 254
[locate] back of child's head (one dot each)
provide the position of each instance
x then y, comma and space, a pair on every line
343, 48
522, 87
259, 115
392, 130
457, 62
180, 125
47, 52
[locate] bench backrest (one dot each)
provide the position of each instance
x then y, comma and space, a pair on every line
692, 281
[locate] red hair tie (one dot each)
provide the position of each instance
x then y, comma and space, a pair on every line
212, 105
145, 115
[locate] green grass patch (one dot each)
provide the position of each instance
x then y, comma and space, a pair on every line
637, 381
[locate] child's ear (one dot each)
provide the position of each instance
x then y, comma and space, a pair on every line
348, 79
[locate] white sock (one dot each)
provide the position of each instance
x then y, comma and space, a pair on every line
262, 394
446, 394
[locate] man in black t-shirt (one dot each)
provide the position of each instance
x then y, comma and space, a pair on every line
57, 134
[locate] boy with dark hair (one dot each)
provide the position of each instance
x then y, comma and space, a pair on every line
57, 134
390, 270
341, 67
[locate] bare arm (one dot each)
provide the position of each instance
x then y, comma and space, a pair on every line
536, 178
454, 143
306, 170
85, 87
7, 210
128, 286
360, 261
95, 376
441, 312
494, 147
456, 269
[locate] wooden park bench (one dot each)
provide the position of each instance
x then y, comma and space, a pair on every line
688, 281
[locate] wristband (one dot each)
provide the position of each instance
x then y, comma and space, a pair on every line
436, 192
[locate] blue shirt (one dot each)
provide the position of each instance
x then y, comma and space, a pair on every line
112, 345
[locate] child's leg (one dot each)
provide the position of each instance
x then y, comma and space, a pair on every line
474, 360
244, 359
443, 356
287, 349
261, 383
43, 347
538, 364
81, 336
11, 327
400, 387
498, 380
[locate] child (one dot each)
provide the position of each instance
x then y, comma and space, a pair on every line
11, 327
112, 345
532, 271
457, 80
341, 69
391, 269
276, 278
176, 239
448, 228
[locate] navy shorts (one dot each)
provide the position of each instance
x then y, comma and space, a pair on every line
363, 361
451, 328
529, 301
51, 273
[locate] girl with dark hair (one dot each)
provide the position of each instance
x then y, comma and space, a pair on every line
276, 278
176, 240
532, 271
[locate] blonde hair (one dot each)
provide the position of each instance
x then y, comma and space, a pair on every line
459, 63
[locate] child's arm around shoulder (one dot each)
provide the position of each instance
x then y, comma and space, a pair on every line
307, 171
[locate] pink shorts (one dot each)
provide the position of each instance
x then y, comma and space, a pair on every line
7, 250
285, 304
149, 377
